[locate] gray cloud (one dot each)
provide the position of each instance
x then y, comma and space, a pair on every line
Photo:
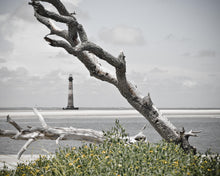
162, 80
72, 6
17, 9
20, 74
187, 54
189, 83
5, 45
9, 5
24, 12
201, 54
157, 70
166, 81
206, 53
61, 54
10, 23
19, 88
72, 2
122, 35
178, 88
172, 37
2, 60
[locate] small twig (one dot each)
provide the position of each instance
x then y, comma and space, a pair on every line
197, 131
59, 138
192, 133
144, 127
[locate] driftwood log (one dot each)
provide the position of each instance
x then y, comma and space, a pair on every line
76, 43
32, 134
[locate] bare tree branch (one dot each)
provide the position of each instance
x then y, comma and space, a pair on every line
100, 53
94, 68
24, 148
43, 123
51, 26
84, 50
59, 6
39, 8
9, 120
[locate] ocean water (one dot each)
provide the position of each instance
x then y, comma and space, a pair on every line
208, 138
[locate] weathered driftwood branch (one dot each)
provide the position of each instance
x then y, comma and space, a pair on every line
56, 133
43, 123
9, 120
26, 145
76, 43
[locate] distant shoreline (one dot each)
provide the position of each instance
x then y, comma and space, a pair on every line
110, 113
108, 108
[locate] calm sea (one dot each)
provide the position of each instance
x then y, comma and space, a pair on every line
208, 138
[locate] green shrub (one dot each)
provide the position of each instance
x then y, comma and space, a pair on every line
116, 157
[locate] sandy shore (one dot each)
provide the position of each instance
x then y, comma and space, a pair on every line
11, 161
108, 113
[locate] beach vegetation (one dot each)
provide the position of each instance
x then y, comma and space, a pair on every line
115, 156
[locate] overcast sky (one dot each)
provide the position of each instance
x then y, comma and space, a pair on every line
172, 49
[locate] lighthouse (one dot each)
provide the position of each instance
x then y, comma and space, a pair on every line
70, 104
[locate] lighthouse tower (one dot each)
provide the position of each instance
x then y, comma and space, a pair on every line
70, 104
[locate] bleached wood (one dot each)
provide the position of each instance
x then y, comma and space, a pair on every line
58, 133
24, 148
43, 123
13, 123
69, 133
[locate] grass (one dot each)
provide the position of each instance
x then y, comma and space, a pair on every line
116, 157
